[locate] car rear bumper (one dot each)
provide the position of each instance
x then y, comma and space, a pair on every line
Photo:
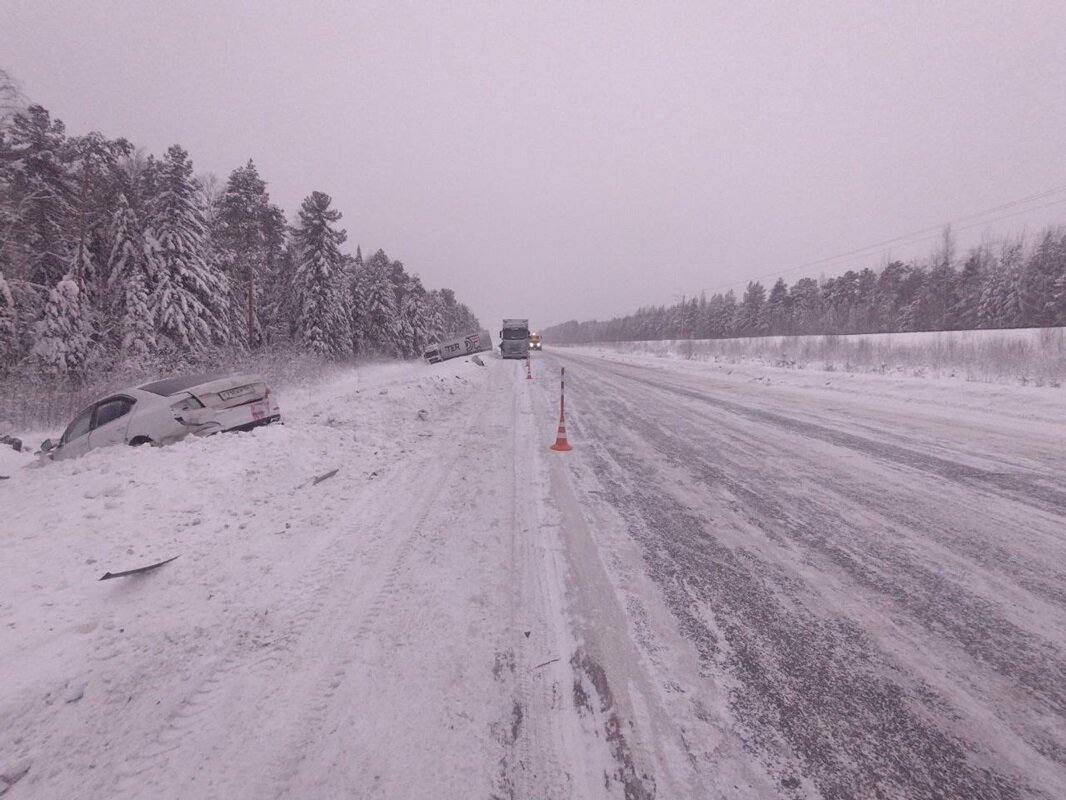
255, 423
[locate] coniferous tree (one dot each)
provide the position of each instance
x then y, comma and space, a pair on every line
414, 322
752, 320
9, 349
379, 298
12, 100
130, 285
63, 346
971, 280
993, 308
40, 197
189, 301
251, 234
321, 315
1043, 273
940, 298
434, 317
1012, 258
777, 308
449, 308
94, 165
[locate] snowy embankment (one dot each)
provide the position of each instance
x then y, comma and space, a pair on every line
744, 581
1028, 356
93, 671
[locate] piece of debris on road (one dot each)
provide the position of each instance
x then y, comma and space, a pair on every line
324, 477
109, 575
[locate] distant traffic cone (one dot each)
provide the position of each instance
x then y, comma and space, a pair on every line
560, 439
529, 369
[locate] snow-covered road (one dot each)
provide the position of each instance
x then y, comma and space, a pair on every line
871, 571
743, 582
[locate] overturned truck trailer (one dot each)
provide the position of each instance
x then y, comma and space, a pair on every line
459, 346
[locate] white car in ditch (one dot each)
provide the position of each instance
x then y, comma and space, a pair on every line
167, 411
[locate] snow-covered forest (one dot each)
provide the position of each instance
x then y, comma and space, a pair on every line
113, 259
1015, 283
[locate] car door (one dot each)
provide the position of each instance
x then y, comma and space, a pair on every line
110, 421
75, 440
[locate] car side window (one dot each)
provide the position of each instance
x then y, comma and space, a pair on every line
79, 427
112, 409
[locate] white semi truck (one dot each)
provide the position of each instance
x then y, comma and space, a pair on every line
514, 338
459, 346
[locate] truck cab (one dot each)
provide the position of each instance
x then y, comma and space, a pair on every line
514, 338
534, 341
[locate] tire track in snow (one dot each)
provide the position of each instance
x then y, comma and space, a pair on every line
816, 686
364, 610
1025, 488
225, 675
323, 592
537, 764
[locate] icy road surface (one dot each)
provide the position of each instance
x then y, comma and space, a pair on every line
743, 582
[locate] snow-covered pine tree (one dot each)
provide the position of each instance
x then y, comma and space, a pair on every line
11, 98
40, 189
752, 316
449, 309
1043, 272
434, 317
283, 301
414, 318
402, 332
276, 232
94, 165
63, 344
993, 302
247, 224
322, 319
129, 286
1002, 296
357, 302
380, 313
190, 299
972, 278
8, 325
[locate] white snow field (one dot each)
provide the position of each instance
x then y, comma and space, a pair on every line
743, 582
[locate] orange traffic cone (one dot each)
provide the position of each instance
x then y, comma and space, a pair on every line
560, 439
529, 369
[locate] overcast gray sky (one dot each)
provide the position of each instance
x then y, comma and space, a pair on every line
566, 160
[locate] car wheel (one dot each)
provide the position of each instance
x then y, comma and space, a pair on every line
137, 441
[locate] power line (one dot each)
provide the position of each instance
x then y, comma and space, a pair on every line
922, 234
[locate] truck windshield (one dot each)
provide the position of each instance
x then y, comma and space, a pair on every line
515, 333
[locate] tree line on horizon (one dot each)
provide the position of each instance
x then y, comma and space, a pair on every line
110, 257
1013, 284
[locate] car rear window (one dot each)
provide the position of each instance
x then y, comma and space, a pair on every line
169, 386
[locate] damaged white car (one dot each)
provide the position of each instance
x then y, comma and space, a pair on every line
169, 410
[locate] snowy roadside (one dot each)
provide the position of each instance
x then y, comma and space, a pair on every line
1025, 402
1033, 357
245, 518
